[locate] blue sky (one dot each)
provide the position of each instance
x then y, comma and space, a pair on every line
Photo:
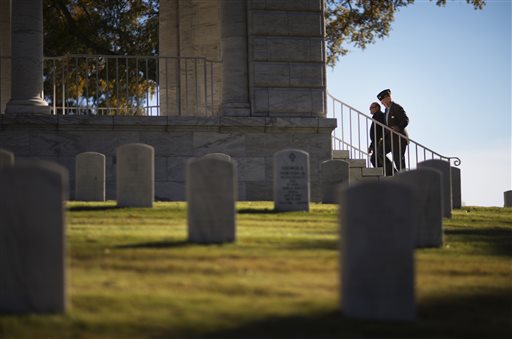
450, 68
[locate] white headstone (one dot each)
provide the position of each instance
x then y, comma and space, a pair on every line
428, 198
6, 158
211, 196
90, 177
446, 180
32, 238
135, 179
377, 251
335, 174
291, 180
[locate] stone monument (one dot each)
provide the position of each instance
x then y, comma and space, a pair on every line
377, 252
211, 197
90, 177
291, 180
32, 238
135, 170
444, 168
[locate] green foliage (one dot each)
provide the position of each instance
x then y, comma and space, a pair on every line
361, 22
91, 27
114, 27
131, 274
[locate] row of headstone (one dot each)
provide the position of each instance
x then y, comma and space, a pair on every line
135, 176
381, 223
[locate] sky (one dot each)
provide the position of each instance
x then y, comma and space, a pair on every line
450, 68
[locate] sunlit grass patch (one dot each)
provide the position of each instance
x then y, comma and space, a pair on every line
132, 274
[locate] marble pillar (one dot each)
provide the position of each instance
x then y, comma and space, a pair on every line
189, 32
27, 58
5, 52
235, 89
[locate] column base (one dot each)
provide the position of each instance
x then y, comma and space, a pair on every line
27, 106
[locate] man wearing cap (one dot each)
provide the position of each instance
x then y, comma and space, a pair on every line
396, 119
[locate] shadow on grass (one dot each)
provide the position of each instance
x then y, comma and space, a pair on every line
316, 244
257, 211
157, 245
93, 208
499, 239
477, 316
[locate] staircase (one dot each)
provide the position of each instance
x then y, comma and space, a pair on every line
351, 140
358, 171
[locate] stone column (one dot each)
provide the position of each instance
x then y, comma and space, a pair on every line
27, 58
235, 83
169, 48
5, 51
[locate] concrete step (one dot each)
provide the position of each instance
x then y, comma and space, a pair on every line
340, 154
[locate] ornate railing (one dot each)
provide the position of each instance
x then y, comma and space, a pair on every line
352, 134
128, 85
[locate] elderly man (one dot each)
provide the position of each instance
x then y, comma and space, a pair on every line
396, 119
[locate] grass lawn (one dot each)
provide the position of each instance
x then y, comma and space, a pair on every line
131, 274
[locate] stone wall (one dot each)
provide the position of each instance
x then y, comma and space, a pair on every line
5, 50
251, 141
286, 57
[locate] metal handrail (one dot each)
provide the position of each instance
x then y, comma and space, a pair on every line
347, 136
80, 84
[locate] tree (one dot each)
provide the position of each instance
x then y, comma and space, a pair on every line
111, 84
114, 27
362, 22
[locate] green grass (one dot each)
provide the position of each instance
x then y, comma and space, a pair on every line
131, 274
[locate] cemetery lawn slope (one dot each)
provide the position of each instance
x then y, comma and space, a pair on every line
132, 274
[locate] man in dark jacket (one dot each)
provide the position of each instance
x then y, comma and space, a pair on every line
376, 132
396, 119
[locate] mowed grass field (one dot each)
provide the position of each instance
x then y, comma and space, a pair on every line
131, 274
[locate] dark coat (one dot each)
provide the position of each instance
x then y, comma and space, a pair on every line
380, 117
398, 117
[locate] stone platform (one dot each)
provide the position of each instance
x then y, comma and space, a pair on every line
251, 141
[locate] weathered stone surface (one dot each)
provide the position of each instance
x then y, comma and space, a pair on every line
310, 75
211, 196
251, 169
251, 142
32, 235
334, 174
90, 177
229, 143
296, 5
135, 181
507, 199
278, 23
428, 198
446, 180
289, 101
291, 180
6, 158
377, 252
288, 49
5, 49
456, 187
